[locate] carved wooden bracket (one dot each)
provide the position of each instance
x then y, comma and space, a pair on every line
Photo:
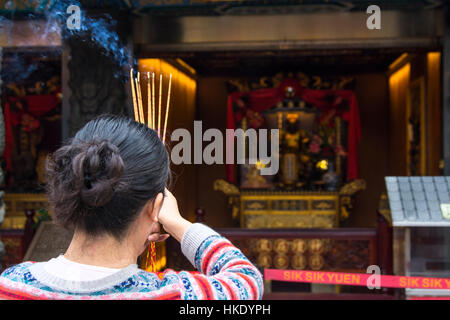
384, 209
347, 193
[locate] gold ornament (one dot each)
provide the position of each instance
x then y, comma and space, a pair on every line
281, 261
264, 260
281, 246
264, 245
298, 262
298, 246
315, 246
316, 262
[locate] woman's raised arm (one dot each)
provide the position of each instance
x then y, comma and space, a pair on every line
224, 272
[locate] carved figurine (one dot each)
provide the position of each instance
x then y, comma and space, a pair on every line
253, 179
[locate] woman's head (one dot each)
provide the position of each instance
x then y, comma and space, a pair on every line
110, 170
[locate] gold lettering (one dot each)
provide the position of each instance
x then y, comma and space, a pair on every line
347, 278
447, 282
437, 283
320, 277
355, 278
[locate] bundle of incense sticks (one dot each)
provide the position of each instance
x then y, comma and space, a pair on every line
153, 121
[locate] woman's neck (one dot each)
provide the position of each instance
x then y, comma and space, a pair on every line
104, 251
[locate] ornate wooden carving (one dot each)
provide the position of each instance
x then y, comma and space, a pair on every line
346, 250
347, 193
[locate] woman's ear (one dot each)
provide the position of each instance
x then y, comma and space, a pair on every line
157, 204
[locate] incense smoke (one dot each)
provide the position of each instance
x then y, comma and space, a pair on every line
99, 32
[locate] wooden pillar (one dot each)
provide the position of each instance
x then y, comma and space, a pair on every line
446, 91
384, 248
384, 245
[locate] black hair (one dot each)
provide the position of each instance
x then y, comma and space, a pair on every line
105, 175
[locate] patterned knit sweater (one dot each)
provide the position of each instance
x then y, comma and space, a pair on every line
224, 273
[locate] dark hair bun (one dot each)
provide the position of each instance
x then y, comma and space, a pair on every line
97, 170
100, 181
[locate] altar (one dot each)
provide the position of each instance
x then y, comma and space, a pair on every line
318, 176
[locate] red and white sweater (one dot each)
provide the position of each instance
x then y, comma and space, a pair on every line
224, 273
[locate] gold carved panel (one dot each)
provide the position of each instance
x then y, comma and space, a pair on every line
17, 203
255, 221
289, 210
299, 254
292, 209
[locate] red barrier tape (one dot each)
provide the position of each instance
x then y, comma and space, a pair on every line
429, 298
356, 279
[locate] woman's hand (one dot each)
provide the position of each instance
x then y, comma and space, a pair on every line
169, 212
156, 235
169, 216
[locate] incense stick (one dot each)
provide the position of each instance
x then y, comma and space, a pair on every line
153, 102
139, 94
159, 106
139, 100
167, 109
149, 113
133, 93
139, 116
152, 110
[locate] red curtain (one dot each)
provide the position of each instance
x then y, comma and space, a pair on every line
35, 105
262, 99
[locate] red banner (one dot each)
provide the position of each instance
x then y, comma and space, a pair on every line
357, 279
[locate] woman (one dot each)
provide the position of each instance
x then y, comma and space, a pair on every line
108, 185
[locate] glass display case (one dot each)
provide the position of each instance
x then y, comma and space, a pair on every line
430, 252
421, 229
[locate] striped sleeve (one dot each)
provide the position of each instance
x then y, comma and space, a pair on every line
224, 272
